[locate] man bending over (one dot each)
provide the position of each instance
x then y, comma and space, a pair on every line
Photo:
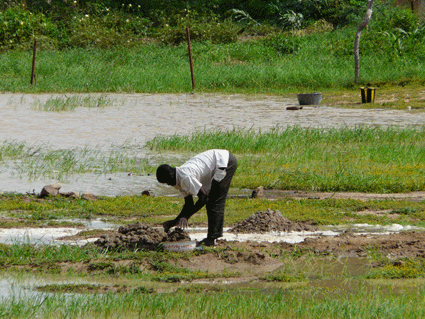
207, 175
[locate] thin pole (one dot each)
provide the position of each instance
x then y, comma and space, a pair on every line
33, 62
190, 57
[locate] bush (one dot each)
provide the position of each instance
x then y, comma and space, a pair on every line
19, 28
202, 29
386, 18
106, 31
392, 32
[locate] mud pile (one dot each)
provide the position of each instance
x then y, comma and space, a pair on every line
268, 221
140, 236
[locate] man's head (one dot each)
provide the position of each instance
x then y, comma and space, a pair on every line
166, 174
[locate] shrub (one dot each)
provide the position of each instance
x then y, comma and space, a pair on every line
19, 27
387, 18
202, 29
106, 31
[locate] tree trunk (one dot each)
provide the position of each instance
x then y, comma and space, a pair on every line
362, 25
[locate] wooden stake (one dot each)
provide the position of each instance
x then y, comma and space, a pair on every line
190, 57
33, 78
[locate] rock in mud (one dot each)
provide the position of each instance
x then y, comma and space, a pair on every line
50, 190
268, 221
88, 196
71, 194
258, 192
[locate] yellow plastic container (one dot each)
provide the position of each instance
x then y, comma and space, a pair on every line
368, 94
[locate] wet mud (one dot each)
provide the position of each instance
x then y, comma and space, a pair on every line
268, 221
140, 236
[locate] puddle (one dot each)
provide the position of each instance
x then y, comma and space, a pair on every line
22, 289
51, 236
298, 237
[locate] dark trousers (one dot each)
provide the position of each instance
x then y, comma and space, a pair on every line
217, 200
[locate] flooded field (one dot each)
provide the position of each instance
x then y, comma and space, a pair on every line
42, 264
129, 120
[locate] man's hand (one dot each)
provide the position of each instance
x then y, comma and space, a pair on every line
168, 224
182, 223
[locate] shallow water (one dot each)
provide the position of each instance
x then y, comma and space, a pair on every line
133, 119
52, 236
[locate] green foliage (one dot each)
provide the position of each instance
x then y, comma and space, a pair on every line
114, 29
19, 27
105, 24
387, 18
202, 28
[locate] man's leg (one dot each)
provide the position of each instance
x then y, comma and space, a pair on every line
217, 200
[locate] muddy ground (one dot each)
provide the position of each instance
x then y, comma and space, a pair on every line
253, 258
395, 245
250, 260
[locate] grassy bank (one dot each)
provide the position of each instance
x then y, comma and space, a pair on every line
254, 66
341, 159
360, 159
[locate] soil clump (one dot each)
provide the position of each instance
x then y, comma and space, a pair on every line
267, 221
140, 236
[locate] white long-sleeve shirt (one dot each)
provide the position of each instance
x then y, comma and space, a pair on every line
200, 171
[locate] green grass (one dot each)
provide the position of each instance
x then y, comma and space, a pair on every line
253, 66
65, 103
155, 210
364, 159
310, 303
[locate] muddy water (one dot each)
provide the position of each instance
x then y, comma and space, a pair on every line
135, 118
53, 236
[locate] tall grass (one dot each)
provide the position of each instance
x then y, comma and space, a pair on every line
250, 67
338, 159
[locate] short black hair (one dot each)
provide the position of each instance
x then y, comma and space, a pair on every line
166, 174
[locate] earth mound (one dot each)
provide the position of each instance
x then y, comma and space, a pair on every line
140, 236
177, 234
267, 221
